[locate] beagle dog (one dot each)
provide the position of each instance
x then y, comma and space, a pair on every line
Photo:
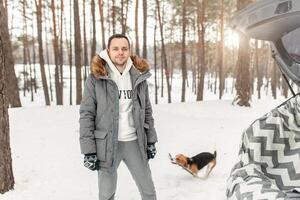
197, 162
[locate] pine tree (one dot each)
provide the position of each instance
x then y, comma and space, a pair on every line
183, 51
41, 53
164, 53
58, 88
77, 46
100, 2
6, 173
12, 86
242, 85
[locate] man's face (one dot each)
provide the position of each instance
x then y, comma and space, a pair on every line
119, 51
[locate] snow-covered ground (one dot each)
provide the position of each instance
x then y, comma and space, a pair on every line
48, 165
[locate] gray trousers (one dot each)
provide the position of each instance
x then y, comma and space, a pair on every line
130, 153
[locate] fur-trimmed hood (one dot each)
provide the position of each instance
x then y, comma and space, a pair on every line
98, 65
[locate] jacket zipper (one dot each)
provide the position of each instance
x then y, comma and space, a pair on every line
136, 83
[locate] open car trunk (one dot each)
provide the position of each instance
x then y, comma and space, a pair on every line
268, 164
276, 21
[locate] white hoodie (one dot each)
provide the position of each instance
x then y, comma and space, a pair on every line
127, 131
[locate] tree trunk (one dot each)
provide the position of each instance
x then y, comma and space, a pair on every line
6, 173
102, 22
126, 16
25, 74
77, 45
61, 53
70, 57
24, 80
252, 74
108, 20
162, 65
93, 50
26, 52
122, 17
274, 80
215, 65
194, 73
183, 52
41, 53
268, 69
113, 15
242, 85
136, 25
258, 71
145, 29
167, 71
11, 80
155, 63
124, 11
194, 55
56, 56
172, 67
221, 54
33, 52
173, 49
285, 86
47, 54
85, 53
31, 81
26, 46
201, 6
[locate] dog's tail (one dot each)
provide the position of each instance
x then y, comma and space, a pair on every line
215, 150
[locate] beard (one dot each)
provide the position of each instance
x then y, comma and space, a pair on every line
119, 63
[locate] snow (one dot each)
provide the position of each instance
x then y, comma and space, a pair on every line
47, 163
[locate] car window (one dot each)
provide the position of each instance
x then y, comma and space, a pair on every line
291, 43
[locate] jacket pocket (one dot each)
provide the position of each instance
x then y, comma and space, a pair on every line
101, 142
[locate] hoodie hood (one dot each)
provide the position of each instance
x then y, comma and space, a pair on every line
104, 55
98, 63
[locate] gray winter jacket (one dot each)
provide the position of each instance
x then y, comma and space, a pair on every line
99, 112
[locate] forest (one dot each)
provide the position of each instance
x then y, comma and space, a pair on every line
54, 42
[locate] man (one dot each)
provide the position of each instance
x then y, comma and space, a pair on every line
116, 122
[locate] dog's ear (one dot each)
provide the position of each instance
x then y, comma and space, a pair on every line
178, 157
182, 160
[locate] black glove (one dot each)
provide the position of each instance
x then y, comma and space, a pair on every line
151, 150
91, 161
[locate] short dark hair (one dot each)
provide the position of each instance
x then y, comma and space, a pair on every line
117, 36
